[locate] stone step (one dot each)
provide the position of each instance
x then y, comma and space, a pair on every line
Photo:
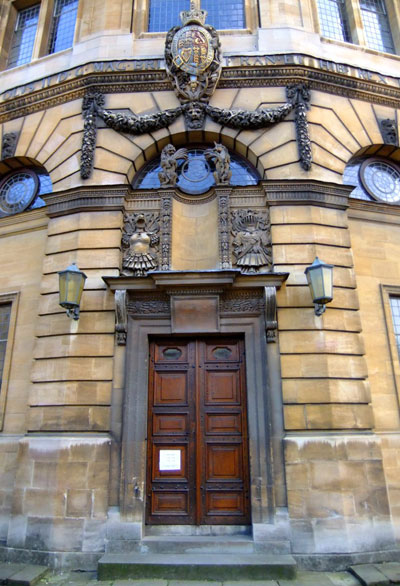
28, 575
197, 530
189, 544
199, 566
198, 544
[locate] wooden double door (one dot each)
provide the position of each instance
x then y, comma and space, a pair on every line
198, 471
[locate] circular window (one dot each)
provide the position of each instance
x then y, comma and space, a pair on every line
381, 180
17, 191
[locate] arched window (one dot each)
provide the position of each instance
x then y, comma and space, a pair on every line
333, 20
195, 176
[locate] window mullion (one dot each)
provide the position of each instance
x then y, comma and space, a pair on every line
41, 39
355, 22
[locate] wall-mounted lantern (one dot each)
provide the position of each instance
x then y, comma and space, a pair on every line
71, 283
319, 278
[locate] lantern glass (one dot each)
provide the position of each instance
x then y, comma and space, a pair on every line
71, 283
319, 278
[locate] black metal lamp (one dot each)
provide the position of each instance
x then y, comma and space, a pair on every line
319, 277
71, 283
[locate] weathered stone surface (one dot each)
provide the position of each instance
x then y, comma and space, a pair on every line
29, 575
369, 575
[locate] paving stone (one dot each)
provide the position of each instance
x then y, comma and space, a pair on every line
342, 579
28, 575
369, 575
246, 583
7, 570
391, 570
195, 583
136, 583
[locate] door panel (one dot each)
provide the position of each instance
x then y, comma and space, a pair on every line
197, 433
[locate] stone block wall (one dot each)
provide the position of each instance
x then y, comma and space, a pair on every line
61, 492
337, 494
60, 496
336, 486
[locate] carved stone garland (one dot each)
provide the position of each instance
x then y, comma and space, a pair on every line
193, 64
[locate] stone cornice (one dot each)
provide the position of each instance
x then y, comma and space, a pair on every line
311, 192
129, 76
86, 199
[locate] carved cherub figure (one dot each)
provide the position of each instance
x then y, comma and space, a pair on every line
222, 161
169, 164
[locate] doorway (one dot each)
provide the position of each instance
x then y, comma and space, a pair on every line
197, 441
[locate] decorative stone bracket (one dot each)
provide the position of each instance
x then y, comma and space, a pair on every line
194, 300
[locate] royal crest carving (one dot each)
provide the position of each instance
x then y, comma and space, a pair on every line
252, 241
170, 158
221, 159
193, 63
140, 243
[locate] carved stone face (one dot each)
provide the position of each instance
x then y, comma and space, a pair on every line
194, 115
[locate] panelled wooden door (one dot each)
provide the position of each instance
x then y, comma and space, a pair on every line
198, 471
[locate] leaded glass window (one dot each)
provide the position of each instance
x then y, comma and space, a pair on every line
24, 36
395, 307
195, 176
376, 25
224, 14
63, 25
333, 20
5, 312
164, 14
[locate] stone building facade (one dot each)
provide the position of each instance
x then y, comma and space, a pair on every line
197, 342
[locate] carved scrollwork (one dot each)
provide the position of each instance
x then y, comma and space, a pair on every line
252, 240
242, 302
140, 242
271, 323
121, 320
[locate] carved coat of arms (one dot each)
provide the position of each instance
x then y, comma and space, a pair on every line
193, 62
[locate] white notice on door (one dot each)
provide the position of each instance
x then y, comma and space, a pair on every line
170, 460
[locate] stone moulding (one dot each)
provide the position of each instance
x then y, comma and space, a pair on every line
151, 296
86, 199
24, 100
